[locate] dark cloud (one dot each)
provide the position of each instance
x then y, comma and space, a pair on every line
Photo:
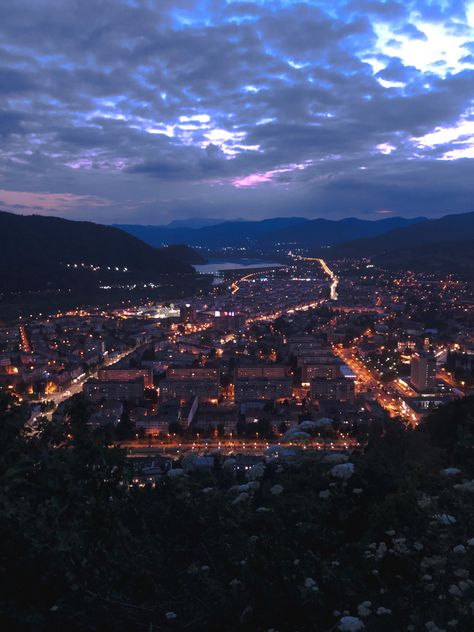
140, 110
10, 123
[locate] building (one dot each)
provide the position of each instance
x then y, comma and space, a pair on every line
125, 375
185, 383
268, 382
130, 390
340, 389
270, 371
330, 370
271, 389
423, 371
228, 321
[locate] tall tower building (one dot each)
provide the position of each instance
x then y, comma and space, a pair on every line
423, 370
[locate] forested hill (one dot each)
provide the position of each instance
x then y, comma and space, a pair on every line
442, 246
39, 252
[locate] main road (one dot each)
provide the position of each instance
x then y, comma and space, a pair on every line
386, 396
168, 445
327, 270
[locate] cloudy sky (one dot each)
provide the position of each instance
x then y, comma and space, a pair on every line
145, 111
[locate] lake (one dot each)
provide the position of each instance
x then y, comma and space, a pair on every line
218, 265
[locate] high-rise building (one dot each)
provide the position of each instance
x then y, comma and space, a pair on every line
423, 370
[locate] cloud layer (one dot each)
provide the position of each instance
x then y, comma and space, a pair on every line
144, 111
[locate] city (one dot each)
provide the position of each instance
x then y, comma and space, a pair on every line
237, 316
227, 371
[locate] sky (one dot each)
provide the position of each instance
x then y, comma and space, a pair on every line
148, 111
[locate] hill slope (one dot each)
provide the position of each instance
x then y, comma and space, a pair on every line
38, 252
441, 245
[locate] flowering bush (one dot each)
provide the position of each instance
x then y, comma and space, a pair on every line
383, 542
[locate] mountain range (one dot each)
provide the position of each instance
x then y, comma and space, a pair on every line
436, 245
38, 252
266, 233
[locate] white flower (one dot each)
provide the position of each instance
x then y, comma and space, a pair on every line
240, 498
364, 609
460, 549
455, 591
450, 471
276, 490
350, 624
343, 471
206, 490
310, 584
467, 486
470, 542
325, 493
171, 615
432, 627
243, 488
382, 610
445, 519
263, 509
357, 490
256, 471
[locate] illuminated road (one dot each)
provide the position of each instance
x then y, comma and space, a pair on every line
144, 447
447, 377
24, 340
235, 287
385, 396
304, 307
78, 384
327, 270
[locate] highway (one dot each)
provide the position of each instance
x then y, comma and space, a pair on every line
327, 270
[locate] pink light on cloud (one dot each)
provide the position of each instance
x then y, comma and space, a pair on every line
255, 179
252, 180
28, 202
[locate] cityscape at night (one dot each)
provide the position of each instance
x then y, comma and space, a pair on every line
237, 315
